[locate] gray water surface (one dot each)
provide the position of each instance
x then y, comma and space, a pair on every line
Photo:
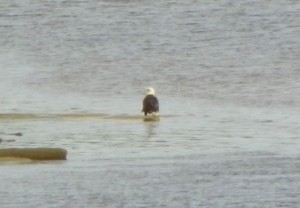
72, 75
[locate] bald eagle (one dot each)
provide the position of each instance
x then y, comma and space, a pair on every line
150, 102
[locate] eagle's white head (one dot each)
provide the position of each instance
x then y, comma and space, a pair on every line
149, 91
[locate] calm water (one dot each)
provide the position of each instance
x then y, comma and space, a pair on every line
72, 75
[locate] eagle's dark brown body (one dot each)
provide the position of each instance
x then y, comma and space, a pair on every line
150, 104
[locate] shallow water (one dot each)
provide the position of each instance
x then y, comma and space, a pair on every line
72, 75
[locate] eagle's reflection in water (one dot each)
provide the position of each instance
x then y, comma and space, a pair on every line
151, 129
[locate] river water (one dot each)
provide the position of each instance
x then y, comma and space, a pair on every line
72, 75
